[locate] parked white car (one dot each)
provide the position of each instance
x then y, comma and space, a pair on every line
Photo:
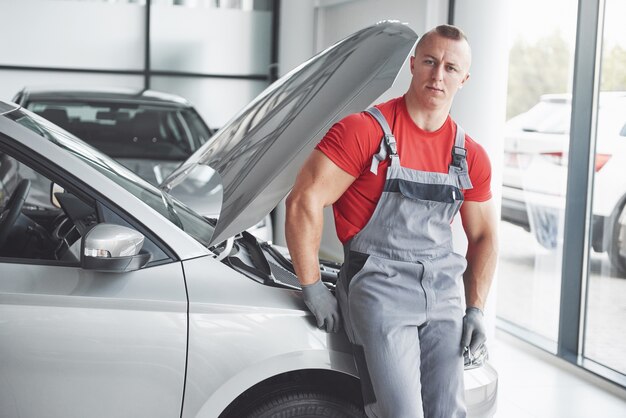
536, 147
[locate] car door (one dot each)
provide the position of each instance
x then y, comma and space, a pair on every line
80, 343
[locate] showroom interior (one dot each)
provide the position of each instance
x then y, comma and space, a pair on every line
557, 307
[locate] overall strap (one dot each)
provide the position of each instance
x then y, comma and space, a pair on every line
388, 141
459, 160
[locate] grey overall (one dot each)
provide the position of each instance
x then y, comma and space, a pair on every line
400, 290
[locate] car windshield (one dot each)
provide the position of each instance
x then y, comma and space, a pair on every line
123, 130
177, 213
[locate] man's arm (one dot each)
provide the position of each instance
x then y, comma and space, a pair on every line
320, 183
480, 225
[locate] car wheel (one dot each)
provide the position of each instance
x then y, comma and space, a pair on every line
544, 223
306, 404
617, 247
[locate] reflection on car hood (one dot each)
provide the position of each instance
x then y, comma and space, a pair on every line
259, 152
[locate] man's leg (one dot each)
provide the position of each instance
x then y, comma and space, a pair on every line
384, 314
391, 360
442, 368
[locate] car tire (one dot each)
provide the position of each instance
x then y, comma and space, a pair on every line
617, 243
306, 404
544, 224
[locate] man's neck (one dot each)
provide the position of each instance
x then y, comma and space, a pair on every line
428, 119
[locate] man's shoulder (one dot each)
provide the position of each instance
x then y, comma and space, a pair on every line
474, 146
475, 151
364, 119
390, 107
477, 156
470, 143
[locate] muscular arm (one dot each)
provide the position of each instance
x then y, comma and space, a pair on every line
480, 225
319, 184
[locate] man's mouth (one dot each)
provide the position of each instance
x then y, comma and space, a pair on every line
432, 88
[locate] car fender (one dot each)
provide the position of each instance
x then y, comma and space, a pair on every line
288, 362
242, 332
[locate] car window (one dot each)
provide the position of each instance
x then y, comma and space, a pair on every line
47, 234
137, 131
174, 211
8, 177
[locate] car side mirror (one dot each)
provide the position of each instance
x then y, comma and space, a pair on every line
113, 248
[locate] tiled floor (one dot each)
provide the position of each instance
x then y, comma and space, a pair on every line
535, 384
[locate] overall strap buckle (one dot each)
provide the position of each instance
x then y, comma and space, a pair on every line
458, 156
388, 141
459, 159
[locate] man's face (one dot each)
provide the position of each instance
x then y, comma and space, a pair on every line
440, 67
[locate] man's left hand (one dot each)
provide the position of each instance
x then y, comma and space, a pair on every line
473, 329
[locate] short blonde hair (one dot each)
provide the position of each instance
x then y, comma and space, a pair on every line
446, 31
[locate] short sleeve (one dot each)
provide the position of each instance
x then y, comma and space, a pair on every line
480, 173
349, 145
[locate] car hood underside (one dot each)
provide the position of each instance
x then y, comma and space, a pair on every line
258, 153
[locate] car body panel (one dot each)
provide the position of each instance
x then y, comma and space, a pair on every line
481, 390
76, 343
260, 151
229, 314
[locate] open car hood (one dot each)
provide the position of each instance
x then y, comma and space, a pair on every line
259, 152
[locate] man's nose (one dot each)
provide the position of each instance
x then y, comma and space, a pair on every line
437, 72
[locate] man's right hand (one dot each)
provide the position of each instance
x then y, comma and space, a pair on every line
323, 305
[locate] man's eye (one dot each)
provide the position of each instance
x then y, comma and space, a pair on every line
429, 62
451, 68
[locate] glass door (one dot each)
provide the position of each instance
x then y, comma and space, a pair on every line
536, 141
605, 330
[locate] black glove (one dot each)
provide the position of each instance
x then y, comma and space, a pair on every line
323, 305
474, 335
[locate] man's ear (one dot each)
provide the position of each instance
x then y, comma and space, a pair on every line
465, 79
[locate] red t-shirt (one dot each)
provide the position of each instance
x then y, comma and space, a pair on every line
352, 142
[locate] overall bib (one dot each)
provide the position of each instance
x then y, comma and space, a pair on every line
400, 290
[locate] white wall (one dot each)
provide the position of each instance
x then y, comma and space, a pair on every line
296, 41
72, 34
105, 35
481, 106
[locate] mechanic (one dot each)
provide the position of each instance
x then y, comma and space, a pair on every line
394, 199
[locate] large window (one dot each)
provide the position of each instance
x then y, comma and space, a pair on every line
562, 278
535, 165
605, 331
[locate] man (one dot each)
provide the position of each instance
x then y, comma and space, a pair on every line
394, 199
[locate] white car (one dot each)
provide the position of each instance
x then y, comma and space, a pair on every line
535, 173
